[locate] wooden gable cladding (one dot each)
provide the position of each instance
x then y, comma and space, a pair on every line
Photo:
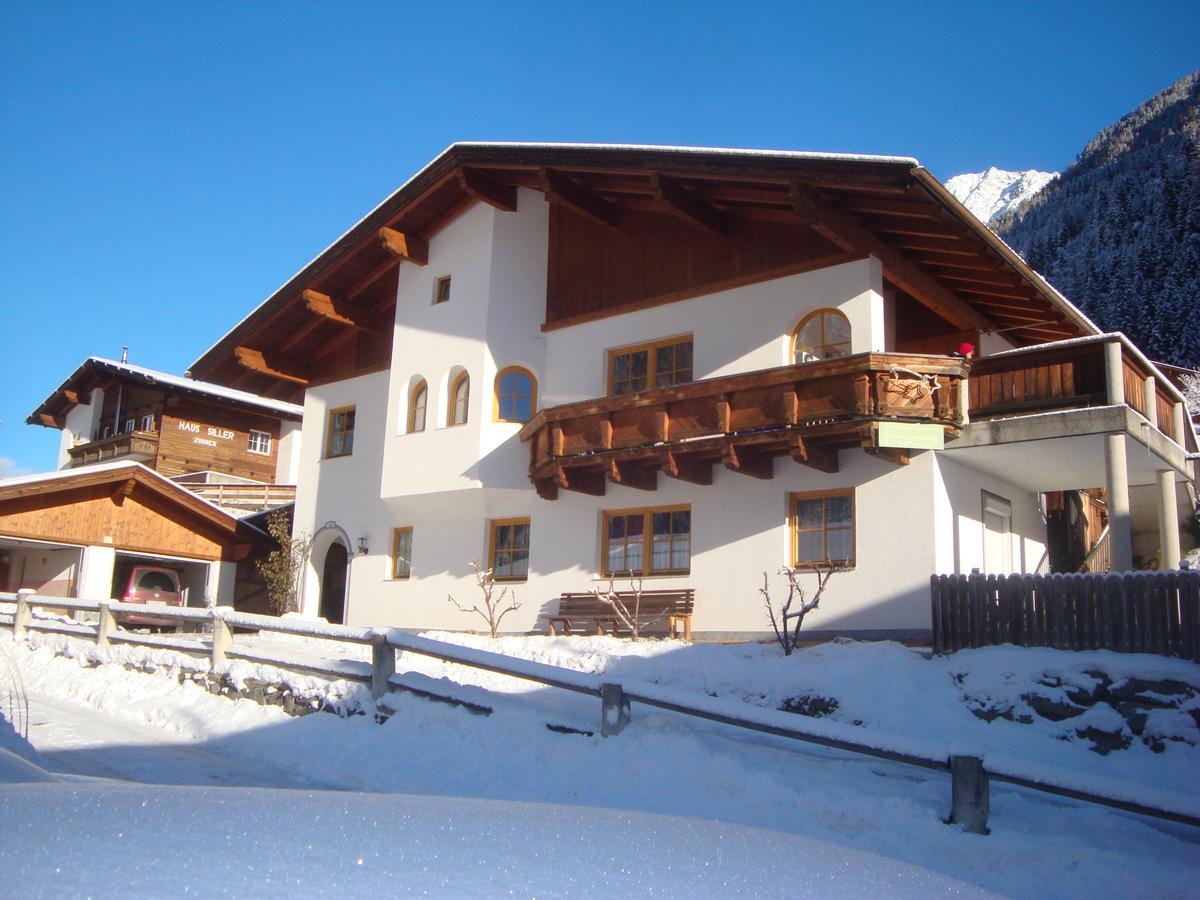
124, 513
654, 257
743, 422
195, 436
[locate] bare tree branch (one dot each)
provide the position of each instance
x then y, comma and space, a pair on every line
631, 618
788, 635
494, 608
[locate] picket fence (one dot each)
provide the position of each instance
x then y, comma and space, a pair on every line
1131, 612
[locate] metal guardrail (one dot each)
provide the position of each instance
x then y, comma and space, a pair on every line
969, 776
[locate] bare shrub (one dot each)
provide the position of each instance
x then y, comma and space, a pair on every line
628, 611
785, 632
493, 605
282, 567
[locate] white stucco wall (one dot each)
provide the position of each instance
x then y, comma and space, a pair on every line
287, 454
958, 504
81, 422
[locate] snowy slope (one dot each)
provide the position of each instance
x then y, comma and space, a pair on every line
994, 192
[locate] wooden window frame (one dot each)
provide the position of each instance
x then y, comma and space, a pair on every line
647, 512
130, 425
146, 422
329, 432
441, 285
823, 311
793, 529
395, 555
533, 386
250, 448
410, 426
493, 524
651, 348
452, 401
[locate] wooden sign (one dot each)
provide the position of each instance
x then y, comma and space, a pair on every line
911, 436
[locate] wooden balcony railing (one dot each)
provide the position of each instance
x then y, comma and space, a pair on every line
1098, 371
245, 496
143, 444
742, 421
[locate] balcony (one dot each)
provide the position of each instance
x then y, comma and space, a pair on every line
807, 412
139, 446
1105, 370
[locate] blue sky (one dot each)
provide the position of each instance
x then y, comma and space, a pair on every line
164, 167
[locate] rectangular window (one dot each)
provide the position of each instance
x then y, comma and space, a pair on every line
129, 424
647, 542
260, 442
441, 290
147, 423
340, 438
402, 552
823, 527
508, 549
661, 364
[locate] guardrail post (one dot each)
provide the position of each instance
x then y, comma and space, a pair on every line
614, 709
222, 637
383, 664
24, 615
970, 801
106, 626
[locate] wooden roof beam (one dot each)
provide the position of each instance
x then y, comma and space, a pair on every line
257, 361
839, 228
560, 189
487, 189
689, 206
123, 490
341, 311
51, 421
404, 246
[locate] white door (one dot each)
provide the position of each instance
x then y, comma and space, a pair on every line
997, 535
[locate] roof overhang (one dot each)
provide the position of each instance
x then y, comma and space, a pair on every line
930, 245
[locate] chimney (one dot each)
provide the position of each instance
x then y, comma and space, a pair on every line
124, 355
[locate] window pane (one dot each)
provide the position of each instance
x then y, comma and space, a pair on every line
616, 557
635, 525
838, 511
681, 522
840, 543
633, 557
503, 536
501, 564
808, 513
837, 329
662, 524
524, 409
665, 359
621, 367
809, 547
521, 536
681, 555
639, 364
520, 563
616, 527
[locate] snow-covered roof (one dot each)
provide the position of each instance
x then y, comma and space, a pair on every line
178, 382
114, 466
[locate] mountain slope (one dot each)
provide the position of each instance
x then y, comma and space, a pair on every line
994, 192
1119, 231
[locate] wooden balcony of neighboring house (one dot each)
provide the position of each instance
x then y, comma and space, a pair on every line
141, 446
743, 422
248, 497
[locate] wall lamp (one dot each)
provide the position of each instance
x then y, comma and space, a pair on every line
362, 546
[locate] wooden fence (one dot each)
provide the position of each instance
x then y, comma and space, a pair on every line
1132, 612
210, 632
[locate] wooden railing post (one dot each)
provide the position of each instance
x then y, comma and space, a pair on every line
106, 626
383, 664
222, 638
970, 799
24, 614
614, 709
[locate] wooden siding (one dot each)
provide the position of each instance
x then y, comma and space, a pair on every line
142, 522
196, 436
1062, 378
655, 258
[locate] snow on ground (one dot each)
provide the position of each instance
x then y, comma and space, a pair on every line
665, 763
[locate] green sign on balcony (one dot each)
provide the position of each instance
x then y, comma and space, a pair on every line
911, 436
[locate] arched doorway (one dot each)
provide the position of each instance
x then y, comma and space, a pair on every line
333, 584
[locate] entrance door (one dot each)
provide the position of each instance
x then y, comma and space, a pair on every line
997, 535
333, 585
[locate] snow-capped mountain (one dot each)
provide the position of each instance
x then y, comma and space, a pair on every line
994, 192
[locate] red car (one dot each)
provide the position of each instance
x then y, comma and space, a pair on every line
153, 586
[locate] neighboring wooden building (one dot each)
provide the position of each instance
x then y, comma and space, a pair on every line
177, 426
74, 532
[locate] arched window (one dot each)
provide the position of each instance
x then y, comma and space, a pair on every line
824, 334
418, 399
516, 395
460, 393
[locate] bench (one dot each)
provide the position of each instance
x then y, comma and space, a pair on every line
587, 614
